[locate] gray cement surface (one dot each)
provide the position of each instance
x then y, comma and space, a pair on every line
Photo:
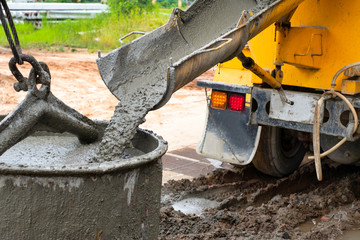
51, 198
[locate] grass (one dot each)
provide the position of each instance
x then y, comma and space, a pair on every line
100, 33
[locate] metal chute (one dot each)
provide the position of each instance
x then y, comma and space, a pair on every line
209, 32
191, 42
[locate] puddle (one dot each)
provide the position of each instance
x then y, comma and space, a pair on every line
216, 163
194, 205
353, 234
309, 225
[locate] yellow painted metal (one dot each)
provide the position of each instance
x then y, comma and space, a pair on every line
280, 34
272, 14
188, 68
303, 46
350, 87
238, 75
233, 72
338, 46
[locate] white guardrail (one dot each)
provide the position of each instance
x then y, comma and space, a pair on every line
55, 11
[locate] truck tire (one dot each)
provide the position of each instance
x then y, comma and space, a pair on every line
279, 153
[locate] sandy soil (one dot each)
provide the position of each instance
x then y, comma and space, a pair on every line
247, 204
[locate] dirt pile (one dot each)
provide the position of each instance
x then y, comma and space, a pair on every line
254, 206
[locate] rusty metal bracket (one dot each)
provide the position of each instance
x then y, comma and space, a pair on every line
40, 105
129, 34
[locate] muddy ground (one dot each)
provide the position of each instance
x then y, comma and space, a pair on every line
234, 203
251, 205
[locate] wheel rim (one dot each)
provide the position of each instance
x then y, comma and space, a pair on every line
289, 145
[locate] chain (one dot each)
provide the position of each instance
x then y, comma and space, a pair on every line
39, 73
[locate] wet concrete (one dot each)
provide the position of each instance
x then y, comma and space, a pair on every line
261, 5
58, 149
53, 191
137, 73
128, 115
146, 60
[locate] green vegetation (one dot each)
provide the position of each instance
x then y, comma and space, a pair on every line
100, 33
128, 7
168, 3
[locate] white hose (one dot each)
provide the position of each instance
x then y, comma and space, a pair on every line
316, 126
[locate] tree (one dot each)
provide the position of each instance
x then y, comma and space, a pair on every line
129, 6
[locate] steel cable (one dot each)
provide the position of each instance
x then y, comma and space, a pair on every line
14, 43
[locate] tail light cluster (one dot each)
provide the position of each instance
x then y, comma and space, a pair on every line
231, 101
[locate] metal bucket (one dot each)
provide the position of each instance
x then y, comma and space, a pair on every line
71, 200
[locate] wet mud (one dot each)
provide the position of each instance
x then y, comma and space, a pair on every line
251, 205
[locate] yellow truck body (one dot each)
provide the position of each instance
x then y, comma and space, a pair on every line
323, 38
310, 45
267, 104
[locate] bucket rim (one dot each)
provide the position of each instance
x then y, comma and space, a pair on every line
95, 168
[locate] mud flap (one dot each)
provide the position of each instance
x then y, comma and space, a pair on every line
228, 137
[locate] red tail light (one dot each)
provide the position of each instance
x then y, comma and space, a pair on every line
236, 102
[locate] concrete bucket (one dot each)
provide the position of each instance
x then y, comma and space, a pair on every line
50, 188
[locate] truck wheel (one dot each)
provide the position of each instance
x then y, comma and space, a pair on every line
279, 153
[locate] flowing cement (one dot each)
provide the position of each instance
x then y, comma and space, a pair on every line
128, 115
135, 72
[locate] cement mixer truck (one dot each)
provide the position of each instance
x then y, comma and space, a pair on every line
287, 78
